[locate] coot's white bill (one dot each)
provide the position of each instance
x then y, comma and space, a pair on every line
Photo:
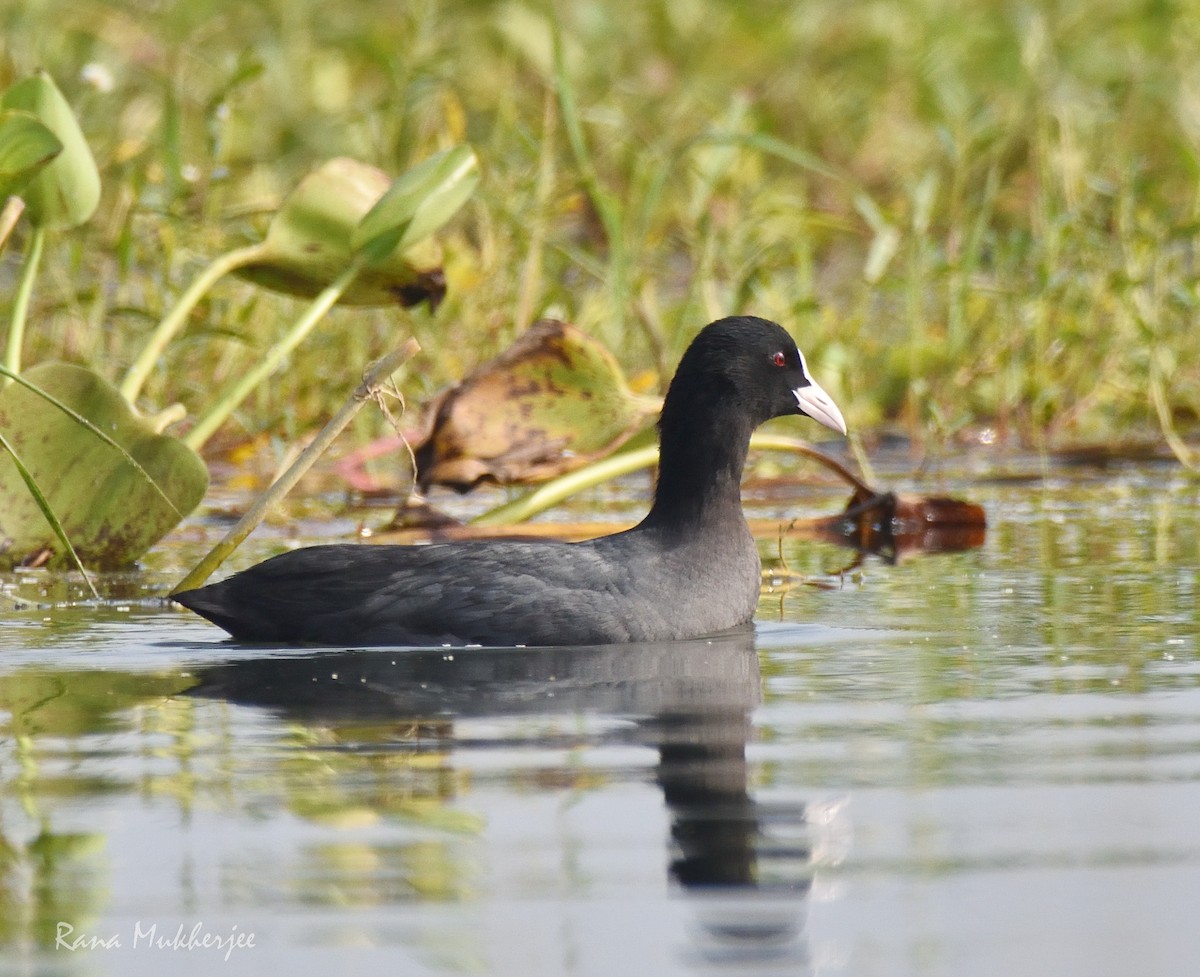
818, 405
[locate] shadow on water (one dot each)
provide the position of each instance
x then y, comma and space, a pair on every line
744, 867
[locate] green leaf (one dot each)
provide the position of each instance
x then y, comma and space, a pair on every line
47, 511
107, 506
309, 243
66, 191
26, 145
418, 203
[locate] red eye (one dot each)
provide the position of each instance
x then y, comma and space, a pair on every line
779, 359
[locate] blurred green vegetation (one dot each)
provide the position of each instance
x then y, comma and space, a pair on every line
972, 216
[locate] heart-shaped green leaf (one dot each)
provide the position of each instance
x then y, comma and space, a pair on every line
418, 203
110, 511
553, 401
26, 145
66, 191
309, 243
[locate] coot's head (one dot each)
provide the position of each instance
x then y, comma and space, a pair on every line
752, 365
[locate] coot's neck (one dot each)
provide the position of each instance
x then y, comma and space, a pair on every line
703, 450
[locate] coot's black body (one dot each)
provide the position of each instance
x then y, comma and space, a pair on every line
689, 568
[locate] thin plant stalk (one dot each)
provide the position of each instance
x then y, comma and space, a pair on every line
1162, 409
208, 425
531, 271
173, 321
20, 308
376, 374
604, 201
549, 495
44, 504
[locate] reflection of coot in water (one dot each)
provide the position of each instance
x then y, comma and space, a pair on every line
746, 865
689, 568
738, 861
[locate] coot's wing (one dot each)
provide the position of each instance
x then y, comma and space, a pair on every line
488, 592
506, 593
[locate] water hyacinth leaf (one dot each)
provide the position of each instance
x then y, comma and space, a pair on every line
418, 203
43, 504
109, 509
552, 402
310, 242
26, 145
66, 191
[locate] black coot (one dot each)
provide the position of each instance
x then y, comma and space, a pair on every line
690, 568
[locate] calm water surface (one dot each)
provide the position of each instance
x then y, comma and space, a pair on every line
971, 764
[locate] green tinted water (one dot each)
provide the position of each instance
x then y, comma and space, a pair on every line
969, 764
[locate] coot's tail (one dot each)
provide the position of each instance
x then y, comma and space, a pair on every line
213, 602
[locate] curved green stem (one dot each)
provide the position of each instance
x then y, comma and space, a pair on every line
549, 495
207, 425
171, 323
546, 496
20, 308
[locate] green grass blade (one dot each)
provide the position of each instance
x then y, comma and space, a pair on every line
773, 146
602, 199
